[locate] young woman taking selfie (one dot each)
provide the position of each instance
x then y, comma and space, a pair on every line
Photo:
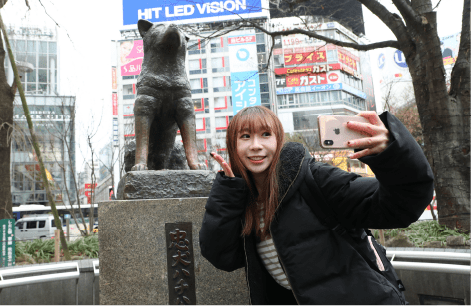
299, 226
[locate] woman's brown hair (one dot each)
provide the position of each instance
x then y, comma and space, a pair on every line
254, 118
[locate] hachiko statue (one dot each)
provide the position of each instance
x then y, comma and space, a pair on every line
163, 104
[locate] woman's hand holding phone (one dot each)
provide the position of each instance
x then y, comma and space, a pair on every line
227, 169
377, 134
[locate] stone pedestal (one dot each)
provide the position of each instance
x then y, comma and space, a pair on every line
133, 254
158, 184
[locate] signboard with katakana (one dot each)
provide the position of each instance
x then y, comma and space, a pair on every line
7, 245
245, 81
245, 90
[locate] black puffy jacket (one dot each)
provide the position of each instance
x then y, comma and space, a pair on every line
322, 268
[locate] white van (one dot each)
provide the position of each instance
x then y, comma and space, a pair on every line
35, 227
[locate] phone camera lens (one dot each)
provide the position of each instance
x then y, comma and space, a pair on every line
328, 142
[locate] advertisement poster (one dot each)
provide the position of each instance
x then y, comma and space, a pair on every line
7, 250
450, 46
131, 54
114, 99
184, 11
245, 82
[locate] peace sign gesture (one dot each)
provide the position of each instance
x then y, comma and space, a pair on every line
378, 135
227, 169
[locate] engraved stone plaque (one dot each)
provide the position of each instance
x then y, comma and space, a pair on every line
180, 263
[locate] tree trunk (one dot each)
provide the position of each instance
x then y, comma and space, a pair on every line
7, 95
444, 117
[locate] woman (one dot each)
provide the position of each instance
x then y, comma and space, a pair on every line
257, 218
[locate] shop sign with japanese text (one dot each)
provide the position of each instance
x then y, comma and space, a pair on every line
305, 58
7, 250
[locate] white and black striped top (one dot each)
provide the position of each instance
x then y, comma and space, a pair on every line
266, 250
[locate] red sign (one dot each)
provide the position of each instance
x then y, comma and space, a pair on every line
241, 40
304, 80
114, 78
131, 55
89, 186
308, 69
347, 60
88, 193
305, 58
114, 99
333, 77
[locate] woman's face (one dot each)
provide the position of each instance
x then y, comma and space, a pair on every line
256, 149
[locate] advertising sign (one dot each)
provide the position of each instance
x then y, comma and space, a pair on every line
131, 53
305, 58
7, 250
400, 59
245, 83
184, 11
347, 60
308, 69
450, 46
304, 79
114, 78
114, 99
315, 88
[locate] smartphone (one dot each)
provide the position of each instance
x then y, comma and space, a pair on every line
333, 131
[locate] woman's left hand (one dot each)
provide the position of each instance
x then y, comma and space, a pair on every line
378, 135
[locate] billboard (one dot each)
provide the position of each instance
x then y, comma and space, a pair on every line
450, 46
131, 54
184, 11
245, 81
323, 87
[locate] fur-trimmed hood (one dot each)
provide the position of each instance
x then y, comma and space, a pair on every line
292, 156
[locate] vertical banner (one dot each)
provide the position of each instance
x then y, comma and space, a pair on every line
114, 100
245, 82
7, 250
114, 79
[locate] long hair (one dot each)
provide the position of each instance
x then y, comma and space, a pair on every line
254, 118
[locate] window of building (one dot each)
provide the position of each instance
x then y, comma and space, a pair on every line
223, 104
197, 66
217, 44
203, 125
332, 56
196, 46
305, 120
222, 122
278, 61
129, 91
220, 64
201, 105
199, 85
221, 84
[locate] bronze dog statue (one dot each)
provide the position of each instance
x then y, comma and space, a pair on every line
163, 104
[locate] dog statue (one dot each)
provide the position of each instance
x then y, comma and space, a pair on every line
163, 104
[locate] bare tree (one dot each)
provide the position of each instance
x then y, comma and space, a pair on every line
7, 95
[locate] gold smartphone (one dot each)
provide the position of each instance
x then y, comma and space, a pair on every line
333, 131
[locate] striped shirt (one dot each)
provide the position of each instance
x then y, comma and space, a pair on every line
267, 252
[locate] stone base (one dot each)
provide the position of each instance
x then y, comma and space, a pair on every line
133, 254
158, 184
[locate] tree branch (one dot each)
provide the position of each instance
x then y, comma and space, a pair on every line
407, 12
384, 44
392, 21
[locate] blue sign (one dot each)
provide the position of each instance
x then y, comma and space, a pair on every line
381, 61
242, 55
66, 216
184, 11
245, 90
315, 88
400, 59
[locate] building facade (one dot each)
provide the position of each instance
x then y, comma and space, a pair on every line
53, 120
302, 78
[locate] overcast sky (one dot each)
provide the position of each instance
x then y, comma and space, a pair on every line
86, 28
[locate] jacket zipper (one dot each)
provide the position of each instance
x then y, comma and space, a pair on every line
247, 272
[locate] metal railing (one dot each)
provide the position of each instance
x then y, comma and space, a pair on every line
464, 258
38, 274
